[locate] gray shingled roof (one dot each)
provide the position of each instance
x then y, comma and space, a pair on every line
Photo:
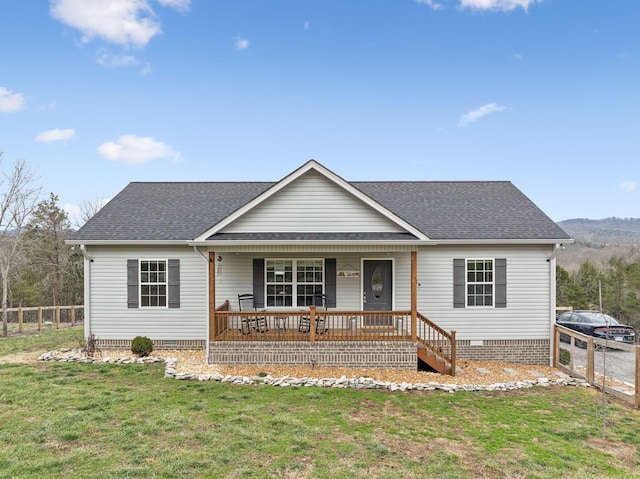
465, 210
447, 210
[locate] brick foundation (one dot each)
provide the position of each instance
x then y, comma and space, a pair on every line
518, 351
354, 354
157, 344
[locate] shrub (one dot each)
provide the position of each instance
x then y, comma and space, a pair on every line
141, 346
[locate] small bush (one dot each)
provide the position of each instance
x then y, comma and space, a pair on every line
141, 346
565, 356
90, 346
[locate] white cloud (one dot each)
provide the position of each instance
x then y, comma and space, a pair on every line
241, 43
109, 60
137, 150
51, 136
431, 3
478, 113
9, 101
518, 56
179, 5
629, 185
497, 5
125, 22
307, 25
74, 212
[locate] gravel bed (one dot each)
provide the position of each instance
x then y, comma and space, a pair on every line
468, 372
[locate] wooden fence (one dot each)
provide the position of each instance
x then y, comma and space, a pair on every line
588, 372
45, 316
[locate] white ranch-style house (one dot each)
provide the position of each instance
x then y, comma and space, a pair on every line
315, 269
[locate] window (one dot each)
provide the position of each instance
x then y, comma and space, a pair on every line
288, 289
480, 282
153, 283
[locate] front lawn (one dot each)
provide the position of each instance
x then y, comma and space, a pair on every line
119, 421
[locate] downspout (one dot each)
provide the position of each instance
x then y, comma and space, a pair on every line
197, 250
87, 291
552, 300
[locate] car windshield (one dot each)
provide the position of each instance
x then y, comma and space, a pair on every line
600, 318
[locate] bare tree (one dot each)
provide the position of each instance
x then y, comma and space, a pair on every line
18, 199
88, 208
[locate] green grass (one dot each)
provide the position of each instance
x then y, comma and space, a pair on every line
46, 340
126, 421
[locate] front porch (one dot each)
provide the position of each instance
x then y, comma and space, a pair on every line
330, 338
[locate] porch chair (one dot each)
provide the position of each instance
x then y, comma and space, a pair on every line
322, 326
247, 322
319, 300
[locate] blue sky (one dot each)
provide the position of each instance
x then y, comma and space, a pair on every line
546, 94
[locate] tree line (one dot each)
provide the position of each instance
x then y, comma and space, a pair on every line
37, 267
614, 286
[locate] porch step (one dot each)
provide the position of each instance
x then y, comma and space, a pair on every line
436, 362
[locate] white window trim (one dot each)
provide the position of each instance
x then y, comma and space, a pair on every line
467, 283
294, 283
166, 283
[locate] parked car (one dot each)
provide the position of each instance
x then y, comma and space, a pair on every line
596, 324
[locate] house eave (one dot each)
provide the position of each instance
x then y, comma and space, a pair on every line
126, 242
523, 241
389, 243
192, 243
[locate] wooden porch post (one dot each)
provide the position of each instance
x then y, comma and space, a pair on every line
591, 370
312, 323
414, 295
212, 296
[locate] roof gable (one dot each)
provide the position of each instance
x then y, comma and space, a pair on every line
312, 199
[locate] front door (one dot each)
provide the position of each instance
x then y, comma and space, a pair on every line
377, 292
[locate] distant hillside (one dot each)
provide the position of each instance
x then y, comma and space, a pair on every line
597, 241
607, 230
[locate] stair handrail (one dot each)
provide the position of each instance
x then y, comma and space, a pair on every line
437, 340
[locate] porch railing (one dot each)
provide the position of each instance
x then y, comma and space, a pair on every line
309, 325
439, 346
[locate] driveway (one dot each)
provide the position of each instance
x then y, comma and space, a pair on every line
620, 365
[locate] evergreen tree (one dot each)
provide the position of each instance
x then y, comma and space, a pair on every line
53, 262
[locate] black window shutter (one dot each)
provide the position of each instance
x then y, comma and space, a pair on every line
501, 283
132, 283
258, 282
459, 293
330, 282
174, 283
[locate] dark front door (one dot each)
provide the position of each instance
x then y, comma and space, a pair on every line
377, 291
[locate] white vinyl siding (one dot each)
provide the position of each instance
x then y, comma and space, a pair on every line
525, 317
312, 204
528, 284
112, 319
